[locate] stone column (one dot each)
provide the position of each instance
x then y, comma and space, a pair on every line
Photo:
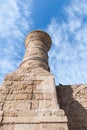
37, 45
28, 96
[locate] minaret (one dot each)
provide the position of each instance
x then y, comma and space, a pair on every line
37, 45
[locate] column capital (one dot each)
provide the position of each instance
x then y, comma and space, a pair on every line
38, 35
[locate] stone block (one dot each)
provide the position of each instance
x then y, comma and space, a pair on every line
35, 120
48, 96
22, 105
9, 105
26, 91
10, 114
22, 87
30, 82
7, 127
55, 126
4, 91
51, 112
8, 83
21, 96
2, 96
29, 86
26, 113
22, 127
58, 112
17, 78
37, 90
45, 113
35, 104
44, 104
27, 127
37, 82
38, 96
10, 97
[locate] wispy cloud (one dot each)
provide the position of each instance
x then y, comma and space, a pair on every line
68, 55
15, 22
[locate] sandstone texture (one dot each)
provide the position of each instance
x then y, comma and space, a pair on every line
73, 100
29, 99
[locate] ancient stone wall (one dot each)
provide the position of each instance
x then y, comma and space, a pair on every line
73, 100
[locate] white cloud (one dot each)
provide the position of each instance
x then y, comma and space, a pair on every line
15, 23
11, 16
68, 56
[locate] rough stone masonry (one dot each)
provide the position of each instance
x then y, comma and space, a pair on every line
30, 100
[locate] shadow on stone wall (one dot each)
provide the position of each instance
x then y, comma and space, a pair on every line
75, 112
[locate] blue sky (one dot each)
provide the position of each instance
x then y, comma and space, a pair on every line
66, 23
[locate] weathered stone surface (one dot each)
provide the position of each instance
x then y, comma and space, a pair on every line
1, 105
2, 96
10, 97
54, 126
10, 114
28, 99
36, 119
21, 127
28, 95
27, 113
38, 96
27, 127
36, 56
9, 105
21, 96
73, 100
7, 127
22, 105
45, 104
1, 113
35, 105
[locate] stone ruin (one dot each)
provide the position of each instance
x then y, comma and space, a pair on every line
30, 100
